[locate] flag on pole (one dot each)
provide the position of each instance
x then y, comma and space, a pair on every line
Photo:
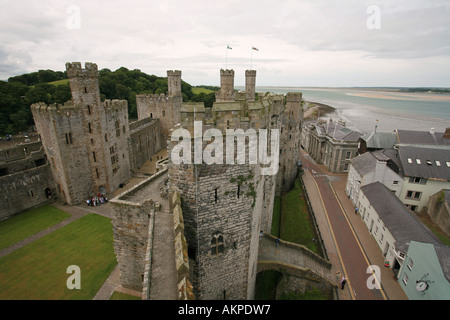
253, 48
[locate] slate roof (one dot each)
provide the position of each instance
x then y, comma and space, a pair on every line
380, 140
422, 138
364, 163
421, 162
338, 132
401, 222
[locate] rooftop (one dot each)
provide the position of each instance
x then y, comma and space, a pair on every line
428, 163
401, 222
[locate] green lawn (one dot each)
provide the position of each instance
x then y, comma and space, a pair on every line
123, 296
59, 82
197, 90
295, 223
38, 270
28, 223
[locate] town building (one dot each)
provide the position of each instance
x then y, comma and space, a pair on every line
330, 143
392, 224
425, 274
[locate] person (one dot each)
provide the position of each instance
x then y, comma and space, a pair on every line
277, 241
343, 282
356, 210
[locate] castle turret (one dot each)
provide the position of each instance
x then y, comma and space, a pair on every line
226, 92
250, 84
174, 83
83, 83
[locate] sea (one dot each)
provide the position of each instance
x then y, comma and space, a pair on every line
388, 109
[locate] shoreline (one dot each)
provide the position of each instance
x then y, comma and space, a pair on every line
317, 110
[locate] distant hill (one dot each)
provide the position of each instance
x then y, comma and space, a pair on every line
19, 92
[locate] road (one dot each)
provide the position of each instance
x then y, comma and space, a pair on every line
352, 257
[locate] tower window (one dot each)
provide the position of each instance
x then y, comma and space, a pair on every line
217, 245
117, 128
215, 195
89, 127
69, 138
93, 154
85, 89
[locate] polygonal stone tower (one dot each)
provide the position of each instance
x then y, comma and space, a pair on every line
174, 83
250, 84
226, 92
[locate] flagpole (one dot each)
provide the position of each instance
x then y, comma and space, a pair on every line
251, 57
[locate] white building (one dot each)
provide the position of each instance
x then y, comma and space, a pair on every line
391, 223
371, 167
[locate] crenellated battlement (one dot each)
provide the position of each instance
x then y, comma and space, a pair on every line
66, 109
174, 73
74, 69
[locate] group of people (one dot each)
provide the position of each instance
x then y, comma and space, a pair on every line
96, 200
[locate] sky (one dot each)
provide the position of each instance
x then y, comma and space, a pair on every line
301, 43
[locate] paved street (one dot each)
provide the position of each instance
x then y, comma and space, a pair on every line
350, 247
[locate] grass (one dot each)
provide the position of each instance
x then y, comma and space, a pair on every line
197, 90
295, 223
123, 296
59, 82
28, 223
38, 270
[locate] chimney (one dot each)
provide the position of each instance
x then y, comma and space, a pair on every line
447, 133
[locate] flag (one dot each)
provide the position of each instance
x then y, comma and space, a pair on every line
253, 48
228, 47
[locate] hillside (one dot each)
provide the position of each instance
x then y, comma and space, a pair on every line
19, 92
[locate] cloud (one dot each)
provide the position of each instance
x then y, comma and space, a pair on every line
306, 42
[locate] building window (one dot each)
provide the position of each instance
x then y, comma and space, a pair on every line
93, 154
98, 174
215, 195
89, 109
410, 264
405, 279
346, 167
164, 113
89, 127
106, 137
417, 180
413, 195
395, 182
348, 155
217, 245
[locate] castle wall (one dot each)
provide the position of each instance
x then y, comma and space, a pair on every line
25, 189
144, 141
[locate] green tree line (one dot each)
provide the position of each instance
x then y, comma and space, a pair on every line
20, 92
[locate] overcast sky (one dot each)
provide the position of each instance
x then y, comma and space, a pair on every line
301, 42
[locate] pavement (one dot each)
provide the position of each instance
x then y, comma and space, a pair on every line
350, 247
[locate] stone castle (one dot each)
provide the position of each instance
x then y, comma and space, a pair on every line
219, 210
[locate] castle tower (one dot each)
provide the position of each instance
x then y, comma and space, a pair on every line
86, 139
222, 208
174, 83
290, 142
83, 83
226, 92
250, 84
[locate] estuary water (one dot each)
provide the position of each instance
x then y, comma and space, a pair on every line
364, 108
